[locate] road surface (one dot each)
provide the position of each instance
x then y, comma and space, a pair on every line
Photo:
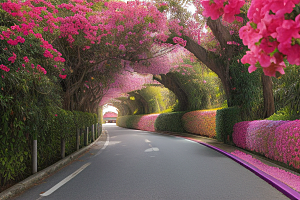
138, 165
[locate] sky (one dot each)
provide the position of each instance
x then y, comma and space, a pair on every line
109, 108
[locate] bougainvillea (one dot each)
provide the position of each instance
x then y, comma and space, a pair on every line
202, 122
123, 83
277, 140
272, 34
146, 122
140, 122
32, 20
288, 178
98, 35
228, 9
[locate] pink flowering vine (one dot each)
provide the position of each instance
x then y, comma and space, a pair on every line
228, 9
3, 67
13, 58
272, 35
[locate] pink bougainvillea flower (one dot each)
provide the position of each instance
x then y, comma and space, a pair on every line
62, 76
213, 9
41, 69
178, 40
26, 59
231, 9
12, 42
13, 58
122, 47
48, 54
3, 67
273, 68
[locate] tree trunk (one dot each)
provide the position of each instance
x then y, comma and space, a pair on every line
269, 106
170, 82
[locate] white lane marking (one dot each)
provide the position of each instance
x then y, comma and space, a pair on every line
152, 149
106, 143
146, 140
64, 181
104, 146
155, 149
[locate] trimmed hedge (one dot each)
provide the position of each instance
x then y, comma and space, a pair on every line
201, 122
146, 122
53, 126
226, 118
140, 122
277, 140
128, 121
169, 122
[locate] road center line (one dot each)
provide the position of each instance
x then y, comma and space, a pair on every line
61, 183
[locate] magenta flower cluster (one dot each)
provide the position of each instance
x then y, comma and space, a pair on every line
277, 140
227, 9
146, 123
202, 122
272, 35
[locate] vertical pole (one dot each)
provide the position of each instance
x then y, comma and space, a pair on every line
100, 119
93, 132
34, 155
96, 130
86, 135
62, 147
77, 139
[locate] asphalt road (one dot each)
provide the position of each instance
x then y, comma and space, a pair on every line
143, 165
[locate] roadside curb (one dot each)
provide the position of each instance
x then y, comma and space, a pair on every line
286, 190
33, 179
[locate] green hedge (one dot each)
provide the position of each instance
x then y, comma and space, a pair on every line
169, 122
226, 118
200, 122
129, 121
51, 126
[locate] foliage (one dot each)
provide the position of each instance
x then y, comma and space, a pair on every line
157, 97
129, 121
169, 122
286, 92
202, 86
277, 140
201, 122
246, 90
283, 114
226, 118
17, 134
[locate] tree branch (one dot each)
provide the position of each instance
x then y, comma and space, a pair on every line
220, 32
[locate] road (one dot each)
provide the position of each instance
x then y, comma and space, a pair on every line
143, 165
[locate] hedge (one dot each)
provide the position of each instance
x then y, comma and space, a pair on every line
15, 154
277, 140
200, 122
128, 121
226, 118
140, 122
169, 122
146, 122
